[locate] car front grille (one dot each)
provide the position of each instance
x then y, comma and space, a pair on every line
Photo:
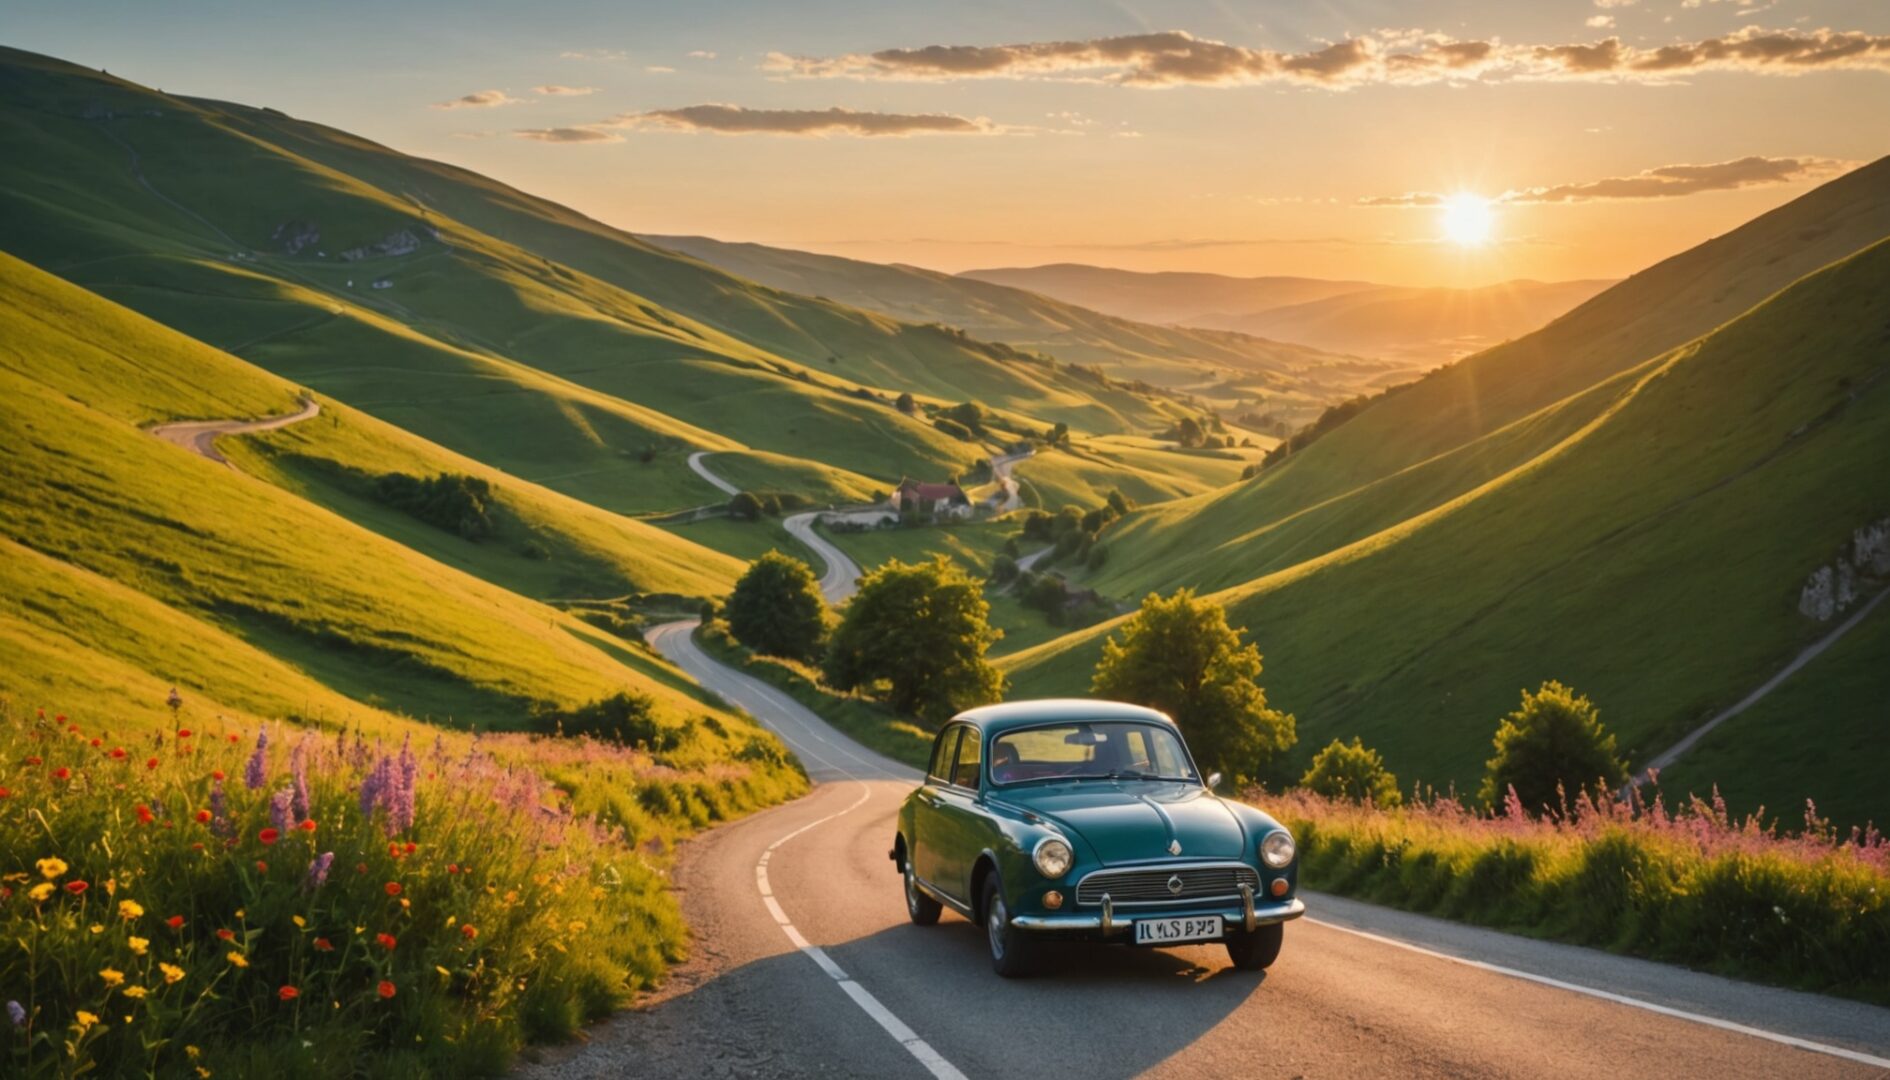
1149, 884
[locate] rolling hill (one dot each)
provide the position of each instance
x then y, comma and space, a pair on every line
1165, 298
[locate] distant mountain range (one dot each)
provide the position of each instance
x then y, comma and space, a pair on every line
1422, 326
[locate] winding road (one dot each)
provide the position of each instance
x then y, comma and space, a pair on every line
200, 436
841, 576
805, 964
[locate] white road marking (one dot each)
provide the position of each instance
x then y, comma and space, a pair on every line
920, 1050
1618, 999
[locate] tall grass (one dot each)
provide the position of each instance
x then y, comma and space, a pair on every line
213, 901
1691, 884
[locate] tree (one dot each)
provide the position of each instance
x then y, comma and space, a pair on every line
745, 507
1550, 750
1119, 502
968, 413
922, 629
1352, 771
777, 609
906, 405
1180, 656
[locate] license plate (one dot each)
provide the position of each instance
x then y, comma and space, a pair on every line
1175, 931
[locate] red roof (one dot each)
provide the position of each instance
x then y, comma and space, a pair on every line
930, 492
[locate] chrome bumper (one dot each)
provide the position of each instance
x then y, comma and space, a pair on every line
1249, 916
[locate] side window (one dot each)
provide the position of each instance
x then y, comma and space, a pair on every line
942, 751
966, 772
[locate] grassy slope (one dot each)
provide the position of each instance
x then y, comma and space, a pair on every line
1623, 560
364, 616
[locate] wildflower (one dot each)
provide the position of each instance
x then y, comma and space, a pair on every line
288, 993
97, 928
136, 993
118, 752
269, 836
308, 825
452, 868
238, 959
469, 931
386, 989
112, 976
150, 763
219, 809
217, 775
262, 867
16, 1013
386, 941
50, 868
256, 773
85, 1020
145, 817
318, 870
129, 909
443, 972
175, 700
175, 922
298, 781
226, 935
76, 887
322, 944
34, 759
62, 773
172, 973
392, 888
5, 794
203, 817
183, 733
138, 945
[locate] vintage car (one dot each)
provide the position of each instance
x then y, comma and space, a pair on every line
1088, 820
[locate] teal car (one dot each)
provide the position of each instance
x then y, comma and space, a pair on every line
1088, 820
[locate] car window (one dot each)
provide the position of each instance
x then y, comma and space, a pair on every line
1102, 749
966, 772
942, 752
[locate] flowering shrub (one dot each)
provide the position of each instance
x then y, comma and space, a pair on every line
1692, 885
314, 905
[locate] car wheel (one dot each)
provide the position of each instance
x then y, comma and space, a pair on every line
1257, 950
1012, 950
923, 910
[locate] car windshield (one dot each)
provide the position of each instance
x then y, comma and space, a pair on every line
1090, 750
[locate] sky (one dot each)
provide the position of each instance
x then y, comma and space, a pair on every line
1454, 142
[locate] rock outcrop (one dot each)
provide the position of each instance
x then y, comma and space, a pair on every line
399, 242
294, 235
1859, 570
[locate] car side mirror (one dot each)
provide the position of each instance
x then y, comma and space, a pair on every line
1213, 780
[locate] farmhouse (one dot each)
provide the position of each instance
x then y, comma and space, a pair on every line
934, 500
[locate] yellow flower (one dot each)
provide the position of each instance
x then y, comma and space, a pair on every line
129, 909
203, 1072
138, 944
112, 976
442, 971
96, 928
239, 913
172, 973
135, 991
575, 926
191, 1052
86, 1020
238, 959
40, 892
51, 868
298, 920
405, 903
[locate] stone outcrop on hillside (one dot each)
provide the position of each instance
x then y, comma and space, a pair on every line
295, 235
399, 242
1859, 570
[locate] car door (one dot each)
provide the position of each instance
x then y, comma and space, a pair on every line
958, 819
925, 805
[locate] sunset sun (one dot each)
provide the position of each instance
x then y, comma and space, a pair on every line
1468, 220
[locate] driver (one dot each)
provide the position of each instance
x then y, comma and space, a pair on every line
1003, 760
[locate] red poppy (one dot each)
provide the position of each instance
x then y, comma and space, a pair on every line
5, 794
322, 944
262, 867
216, 774
385, 941
269, 836
183, 733
393, 850
360, 868
226, 935
62, 773
76, 887
175, 922
196, 847
118, 751
96, 743
203, 817
452, 868
469, 931
288, 993
308, 824
144, 814
34, 759
393, 888
412, 847
60, 719
233, 737
150, 763
386, 989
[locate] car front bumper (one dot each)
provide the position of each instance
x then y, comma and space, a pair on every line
1248, 916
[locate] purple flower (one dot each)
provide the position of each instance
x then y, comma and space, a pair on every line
400, 805
318, 870
219, 809
279, 809
17, 1012
374, 787
257, 772
299, 804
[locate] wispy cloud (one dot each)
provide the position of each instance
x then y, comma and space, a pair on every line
568, 135
482, 99
1665, 182
593, 54
701, 54
1599, 22
659, 69
739, 120
1174, 57
554, 90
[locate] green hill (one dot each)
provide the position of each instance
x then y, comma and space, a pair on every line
1644, 540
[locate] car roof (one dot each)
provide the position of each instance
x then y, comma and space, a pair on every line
1015, 714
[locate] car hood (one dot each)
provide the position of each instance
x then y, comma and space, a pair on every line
1136, 821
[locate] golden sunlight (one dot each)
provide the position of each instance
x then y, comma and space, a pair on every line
1468, 219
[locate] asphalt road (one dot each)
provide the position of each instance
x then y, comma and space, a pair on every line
804, 964
841, 577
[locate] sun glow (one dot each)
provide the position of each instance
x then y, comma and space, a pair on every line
1468, 220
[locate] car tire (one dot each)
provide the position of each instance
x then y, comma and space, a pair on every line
922, 909
1256, 950
1013, 953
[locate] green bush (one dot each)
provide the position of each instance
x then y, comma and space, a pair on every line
1352, 771
777, 609
459, 504
1550, 751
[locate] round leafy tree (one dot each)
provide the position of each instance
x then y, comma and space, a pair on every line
922, 629
745, 506
1180, 656
1550, 750
1352, 771
777, 609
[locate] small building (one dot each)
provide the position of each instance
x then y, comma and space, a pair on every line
936, 501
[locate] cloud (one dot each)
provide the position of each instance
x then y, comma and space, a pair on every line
1174, 58
1614, 3
701, 54
739, 120
1599, 22
568, 135
593, 54
483, 99
659, 69
554, 90
1665, 182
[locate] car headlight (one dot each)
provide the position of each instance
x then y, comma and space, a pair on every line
1277, 849
1052, 856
